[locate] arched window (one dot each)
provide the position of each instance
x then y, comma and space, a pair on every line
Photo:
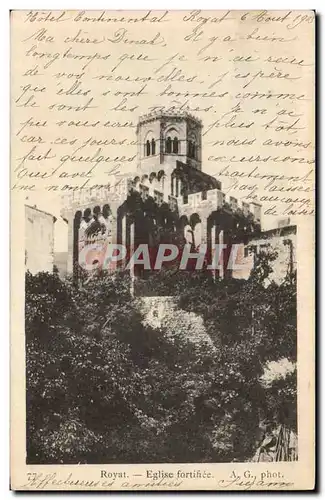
153, 147
175, 145
148, 148
106, 211
168, 145
191, 149
161, 179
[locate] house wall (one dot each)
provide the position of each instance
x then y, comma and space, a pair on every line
39, 240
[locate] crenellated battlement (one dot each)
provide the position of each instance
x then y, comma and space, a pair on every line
166, 193
168, 115
204, 201
214, 199
117, 190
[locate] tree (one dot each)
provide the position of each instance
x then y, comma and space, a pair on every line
103, 386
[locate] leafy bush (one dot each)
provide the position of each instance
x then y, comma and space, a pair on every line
103, 386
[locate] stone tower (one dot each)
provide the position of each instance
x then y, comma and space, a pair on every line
165, 138
167, 198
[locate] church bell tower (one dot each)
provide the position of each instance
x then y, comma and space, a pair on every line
164, 138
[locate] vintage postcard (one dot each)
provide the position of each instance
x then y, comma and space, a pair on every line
162, 250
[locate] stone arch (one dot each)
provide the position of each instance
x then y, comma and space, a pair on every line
175, 145
153, 147
184, 229
196, 225
191, 149
145, 179
218, 226
194, 219
106, 211
78, 215
154, 181
161, 174
161, 177
150, 222
182, 222
136, 182
96, 211
189, 234
192, 144
152, 177
149, 144
168, 144
149, 135
172, 130
176, 183
87, 215
172, 139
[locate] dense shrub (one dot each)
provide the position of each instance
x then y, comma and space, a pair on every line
104, 386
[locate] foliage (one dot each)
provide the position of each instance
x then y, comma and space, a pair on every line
47, 299
105, 386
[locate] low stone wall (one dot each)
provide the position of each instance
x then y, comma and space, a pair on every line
163, 312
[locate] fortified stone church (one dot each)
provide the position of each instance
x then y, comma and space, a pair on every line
168, 198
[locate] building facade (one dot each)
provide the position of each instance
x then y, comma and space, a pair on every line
168, 198
282, 241
39, 240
